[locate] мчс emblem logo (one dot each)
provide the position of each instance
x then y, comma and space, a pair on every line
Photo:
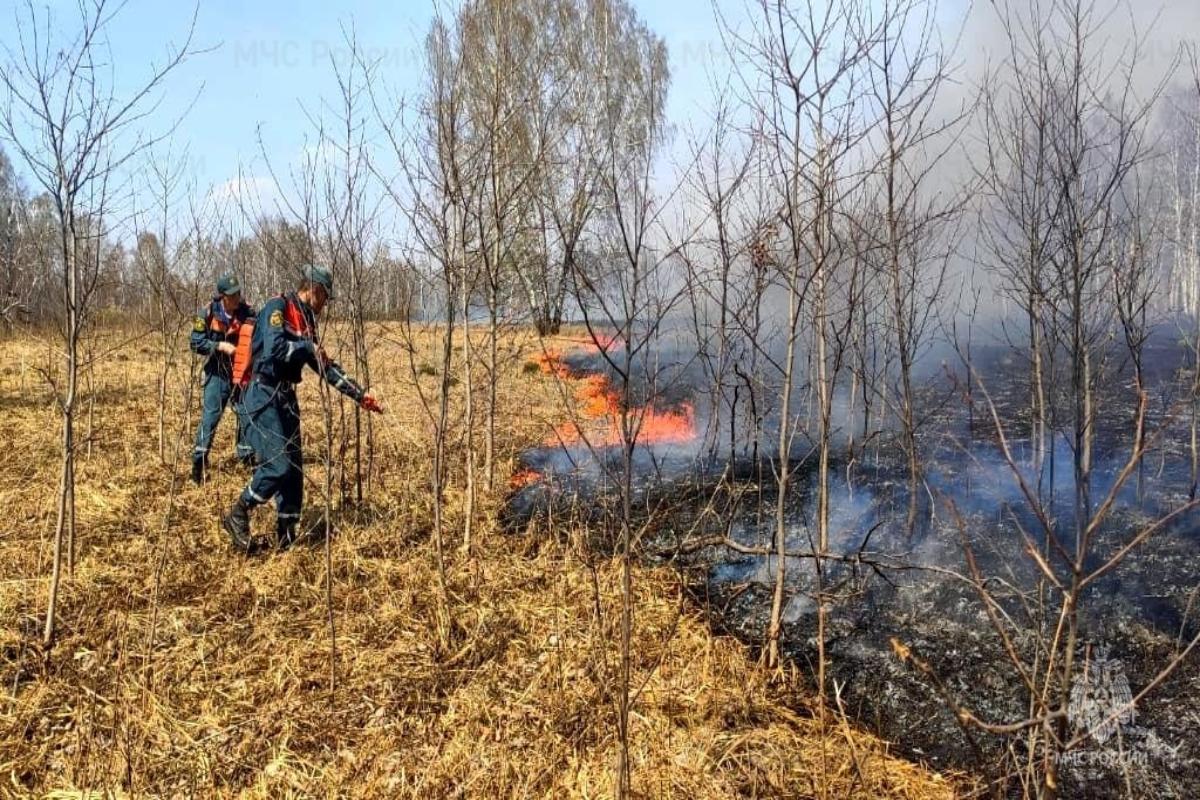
276, 319
198, 325
1101, 699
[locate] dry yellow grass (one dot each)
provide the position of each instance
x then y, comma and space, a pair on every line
184, 670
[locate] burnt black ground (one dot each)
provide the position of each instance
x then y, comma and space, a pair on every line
1137, 616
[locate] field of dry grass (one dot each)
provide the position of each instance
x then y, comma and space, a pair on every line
183, 669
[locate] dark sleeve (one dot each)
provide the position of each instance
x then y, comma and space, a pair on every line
336, 377
201, 342
332, 372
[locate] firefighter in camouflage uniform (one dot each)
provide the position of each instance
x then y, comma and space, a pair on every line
285, 340
215, 335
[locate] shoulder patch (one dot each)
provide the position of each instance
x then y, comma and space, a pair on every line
198, 326
276, 319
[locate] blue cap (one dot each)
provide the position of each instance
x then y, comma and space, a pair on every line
319, 276
228, 285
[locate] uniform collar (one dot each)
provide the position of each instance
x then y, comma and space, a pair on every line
306, 311
238, 315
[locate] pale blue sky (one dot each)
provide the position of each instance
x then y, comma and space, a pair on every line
268, 58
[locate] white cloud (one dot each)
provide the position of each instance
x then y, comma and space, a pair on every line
244, 197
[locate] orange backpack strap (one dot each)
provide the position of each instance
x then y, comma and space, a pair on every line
213, 318
243, 357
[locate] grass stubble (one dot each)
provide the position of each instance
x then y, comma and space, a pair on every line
183, 670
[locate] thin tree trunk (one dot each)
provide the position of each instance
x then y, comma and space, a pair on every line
775, 625
164, 375
64, 532
468, 420
330, 619
362, 472
91, 390
439, 444
624, 771
1037, 399
825, 381
489, 453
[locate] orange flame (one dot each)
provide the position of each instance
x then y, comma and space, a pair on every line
595, 397
598, 402
523, 477
599, 407
551, 363
673, 426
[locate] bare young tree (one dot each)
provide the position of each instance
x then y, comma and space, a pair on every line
1136, 279
626, 291
1017, 108
158, 258
432, 161
1183, 188
65, 119
1067, 140
1095, 142
349, 233
719, 276
506, 58
804, 89
905, 71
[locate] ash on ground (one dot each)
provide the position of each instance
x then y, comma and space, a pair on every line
910, 590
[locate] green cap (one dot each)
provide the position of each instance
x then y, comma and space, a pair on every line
320, 276
228, 285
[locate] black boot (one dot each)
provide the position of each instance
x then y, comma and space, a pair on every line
237, 524
285, 533
198, 471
